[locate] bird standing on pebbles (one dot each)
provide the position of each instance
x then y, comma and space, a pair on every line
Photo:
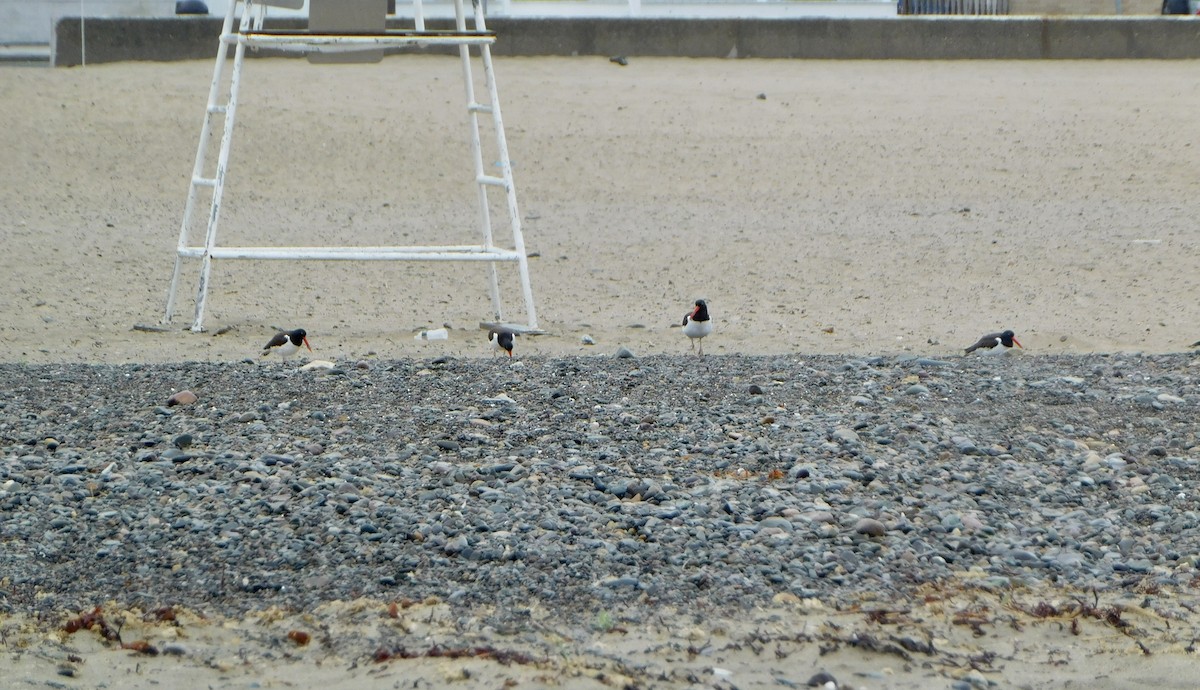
501, 339
996, 343
286, 344
697, 325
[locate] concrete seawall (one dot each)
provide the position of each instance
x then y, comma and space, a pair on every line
916, 38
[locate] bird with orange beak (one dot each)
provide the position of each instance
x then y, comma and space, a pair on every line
287, 343
501, 339
996, 343
697, 325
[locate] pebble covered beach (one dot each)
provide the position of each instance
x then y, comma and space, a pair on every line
599, 486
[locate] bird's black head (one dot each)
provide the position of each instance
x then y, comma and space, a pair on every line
700, 313
1008, 339
504, 339
299, 337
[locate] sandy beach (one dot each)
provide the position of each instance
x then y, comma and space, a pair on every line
861, 207
912, 647
820, 207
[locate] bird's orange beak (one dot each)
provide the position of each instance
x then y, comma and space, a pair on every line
306, 344
1018, 343
695, 311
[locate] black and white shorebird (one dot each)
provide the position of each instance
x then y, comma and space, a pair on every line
697, 325
286, 344
501, 339
996, 343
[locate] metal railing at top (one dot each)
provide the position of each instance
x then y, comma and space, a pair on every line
631, 8
952, 7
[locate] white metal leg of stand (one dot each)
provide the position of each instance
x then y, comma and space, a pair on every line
197, 180
250, 34
506, 181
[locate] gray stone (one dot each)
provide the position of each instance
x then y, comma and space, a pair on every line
870, 527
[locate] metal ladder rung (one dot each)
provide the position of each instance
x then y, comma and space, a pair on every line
448, 253
305, 42
204, 181
480, 108
489, 179
218, 109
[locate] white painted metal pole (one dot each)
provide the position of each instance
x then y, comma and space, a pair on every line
418, 16
514, 213
332, 44
82, 38
353, 253
210, 236
201, 156
473, 108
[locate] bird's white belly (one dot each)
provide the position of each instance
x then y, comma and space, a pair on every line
997, 350
697, 329
288, 349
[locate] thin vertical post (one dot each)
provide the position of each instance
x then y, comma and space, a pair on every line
473, 107
210, 235
510, 191
201, 157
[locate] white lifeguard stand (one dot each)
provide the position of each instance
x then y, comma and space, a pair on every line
351, 31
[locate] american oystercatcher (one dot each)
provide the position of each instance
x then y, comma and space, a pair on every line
287, 344
697, 325
501, 339
989, 342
